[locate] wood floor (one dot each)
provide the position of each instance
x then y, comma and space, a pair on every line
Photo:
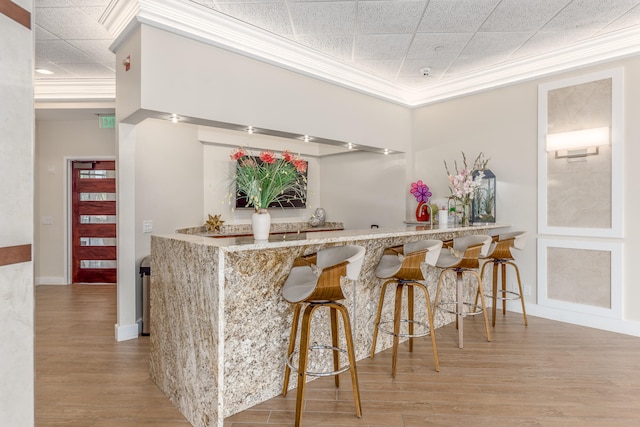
548, 374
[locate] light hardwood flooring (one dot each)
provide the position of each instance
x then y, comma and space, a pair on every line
548, 374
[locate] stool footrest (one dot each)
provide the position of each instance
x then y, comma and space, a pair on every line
507, 295
289, 361
476, 308
407, 335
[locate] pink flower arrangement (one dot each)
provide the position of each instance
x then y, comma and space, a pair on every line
268, 179
463, 185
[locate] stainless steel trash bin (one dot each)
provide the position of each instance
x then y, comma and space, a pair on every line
145, 273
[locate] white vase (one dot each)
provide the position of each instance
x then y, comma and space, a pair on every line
261, 223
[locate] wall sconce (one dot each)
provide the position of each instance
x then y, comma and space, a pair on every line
580, 143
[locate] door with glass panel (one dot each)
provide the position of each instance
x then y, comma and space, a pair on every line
94, 222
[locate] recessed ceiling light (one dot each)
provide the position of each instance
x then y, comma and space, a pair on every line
44, 71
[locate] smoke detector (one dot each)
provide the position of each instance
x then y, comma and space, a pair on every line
425, 71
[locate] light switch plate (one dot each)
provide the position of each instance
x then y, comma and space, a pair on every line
147, 226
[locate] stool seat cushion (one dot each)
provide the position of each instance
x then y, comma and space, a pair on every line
300, 284
388, 266
391, 264
447, 259
303, 279
450, 258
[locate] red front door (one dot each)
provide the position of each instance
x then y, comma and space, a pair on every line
94, 222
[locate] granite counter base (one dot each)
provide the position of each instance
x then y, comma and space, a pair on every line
220, 327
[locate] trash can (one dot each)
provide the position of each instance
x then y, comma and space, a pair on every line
145, 273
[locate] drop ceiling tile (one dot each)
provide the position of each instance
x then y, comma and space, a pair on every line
387, 68
589, 14
323, 18
88, 70
629, 19
486, 49
339, 46
389, 16
455, 16
272, 17
438, 45
411, 67
495, 44
53, 3
381, 46
417, 81
97, 50
548, 41
83, 3
518, 15
59, 51
42, 34
58, 72
72, 23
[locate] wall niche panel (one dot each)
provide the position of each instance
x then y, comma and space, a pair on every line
579, 186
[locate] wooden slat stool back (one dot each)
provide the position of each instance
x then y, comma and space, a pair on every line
314, 282
500, 255
401, 266
463, 258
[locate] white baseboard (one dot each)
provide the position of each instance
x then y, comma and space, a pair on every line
620, 326
127, 332
43, 280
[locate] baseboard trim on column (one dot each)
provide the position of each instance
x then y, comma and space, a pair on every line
127, 332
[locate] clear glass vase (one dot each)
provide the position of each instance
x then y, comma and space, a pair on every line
466, 213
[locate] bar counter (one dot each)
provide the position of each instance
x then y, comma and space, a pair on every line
220, 328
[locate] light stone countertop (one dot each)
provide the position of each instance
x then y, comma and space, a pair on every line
319, 237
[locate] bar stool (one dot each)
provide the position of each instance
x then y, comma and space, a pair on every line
500, 255
314, 282
401, 265
463, 258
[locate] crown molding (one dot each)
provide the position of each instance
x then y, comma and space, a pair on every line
606, 48
209, 26
74, 90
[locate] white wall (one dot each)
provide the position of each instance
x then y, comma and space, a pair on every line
168, 183
361, 189
203, 81
16, 226
57, 142
503, 124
